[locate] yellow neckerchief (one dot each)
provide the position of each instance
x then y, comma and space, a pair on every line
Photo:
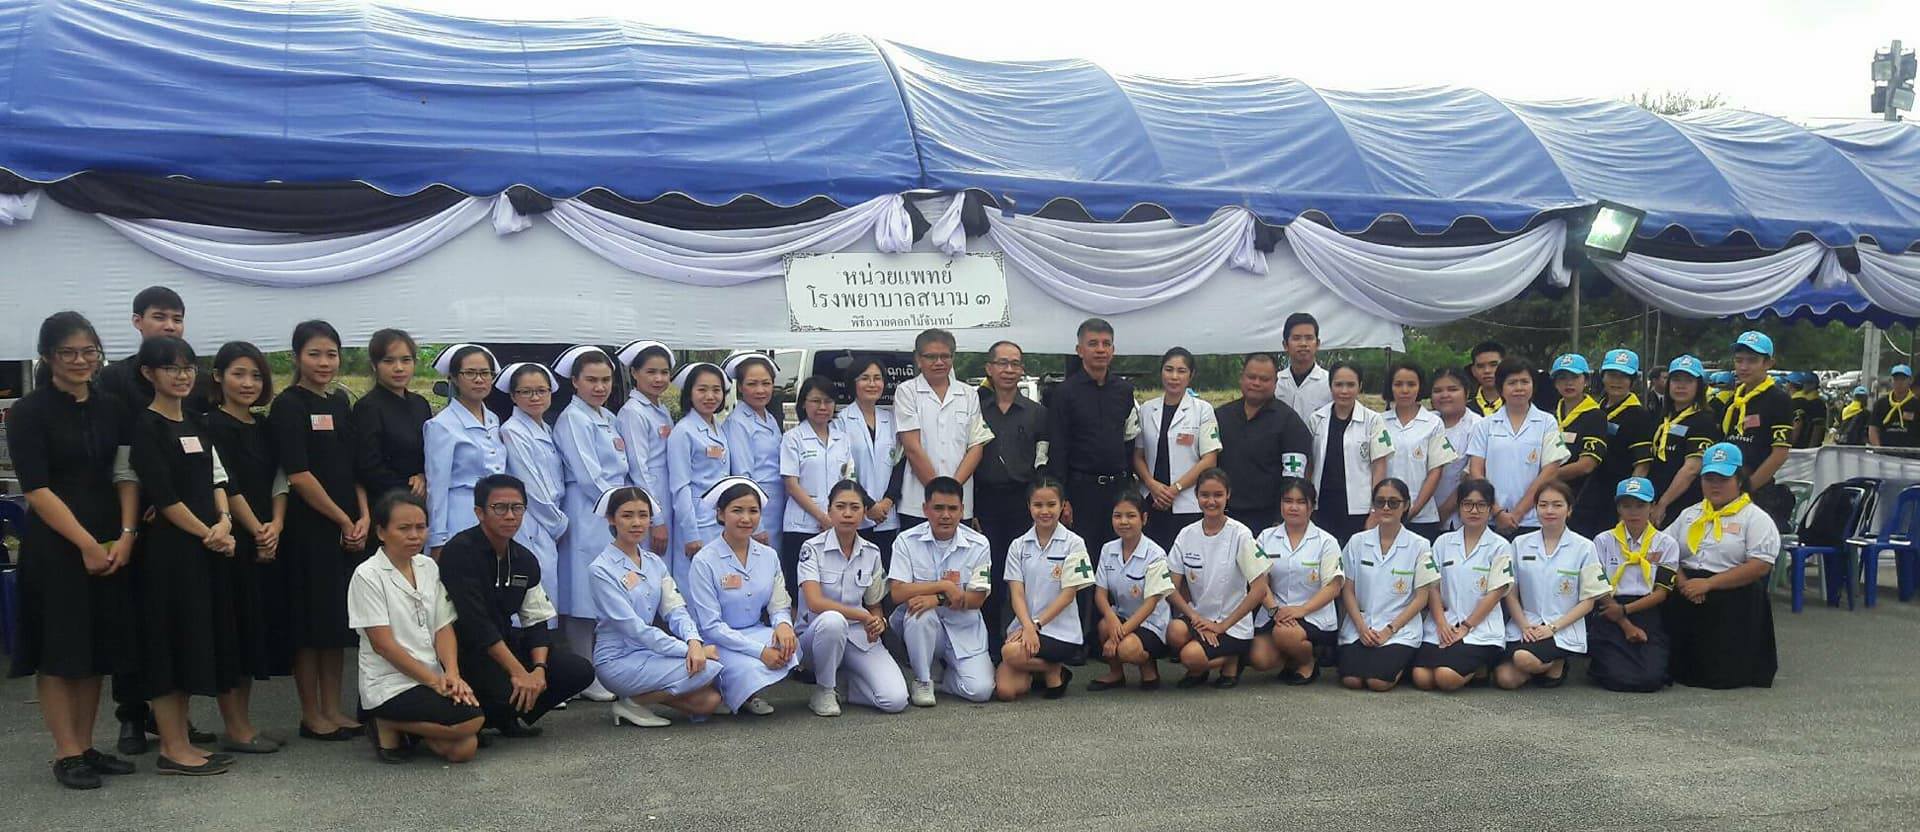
1851, 410
1894, 411
1633, 557
1809, 395
1723, 396
1632, 400
1712, 516
1586, 403
1660, 439
1737, 406
1486, 407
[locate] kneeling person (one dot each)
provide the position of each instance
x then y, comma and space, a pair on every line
841, 584
1046, 567
941, 575
492, 577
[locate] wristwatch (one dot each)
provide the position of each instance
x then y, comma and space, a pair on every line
941, 597
539, 666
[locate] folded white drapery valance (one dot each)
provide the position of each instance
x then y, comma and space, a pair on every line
1428, 286
1710, 290
1890, 281
1110, 268
286, 260
18, 207
732, 256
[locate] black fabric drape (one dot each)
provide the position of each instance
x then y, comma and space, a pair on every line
677, 211
330, 208
13, 185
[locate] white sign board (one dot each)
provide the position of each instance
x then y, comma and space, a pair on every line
853, 292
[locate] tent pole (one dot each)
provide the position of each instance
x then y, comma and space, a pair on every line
1576, 312
1869, 356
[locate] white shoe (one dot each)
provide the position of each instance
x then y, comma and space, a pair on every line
922, 696
560, 706
638, 716
757, 707
825, 702
597, 693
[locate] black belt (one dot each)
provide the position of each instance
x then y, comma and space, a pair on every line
1096, 479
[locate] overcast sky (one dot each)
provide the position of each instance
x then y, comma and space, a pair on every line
1803, 60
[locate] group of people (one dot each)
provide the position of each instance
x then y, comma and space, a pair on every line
190, 538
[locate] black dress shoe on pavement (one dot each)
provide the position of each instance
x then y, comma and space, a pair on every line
1191, 680
211, 766
335, 735
74, 773
517, 730
104, 763
133, 739
199, 737
1060, 690
1226, 681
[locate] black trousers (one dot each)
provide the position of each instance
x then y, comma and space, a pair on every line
1092, 497
567, 675
1001, 511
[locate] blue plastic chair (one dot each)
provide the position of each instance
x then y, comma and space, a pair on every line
13, 515
1835, 517
1900, 534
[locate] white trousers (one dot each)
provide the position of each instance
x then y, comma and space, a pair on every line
872, 677
969, 678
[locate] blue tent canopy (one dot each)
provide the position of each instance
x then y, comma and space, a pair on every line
403, 99
1814, 305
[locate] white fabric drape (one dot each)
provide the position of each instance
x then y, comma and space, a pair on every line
947, 234
1710, 290
732, 256
1110, 268
1428, 286
1890, 281
18, 207
280, 259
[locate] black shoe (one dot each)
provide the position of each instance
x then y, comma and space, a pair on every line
1150, 684
199, 737
104, 763
392, 756
485, 739
74, 773
1226, 681
1059, 690
211, 766
517, 730
1289, 678
336, 735
1551, 681
1191, 681
1098, 685
133, 739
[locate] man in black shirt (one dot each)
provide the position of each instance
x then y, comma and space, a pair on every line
1759, 419
1009, 464
1895, 420
1262, 441
1091, 419
490, 578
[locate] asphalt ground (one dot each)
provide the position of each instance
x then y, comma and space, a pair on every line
1831, 746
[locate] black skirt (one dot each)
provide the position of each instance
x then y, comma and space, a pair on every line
1461, 657
1726, 641
187, 642
422, 704
1056, 651
1385, 663
1228, 647
72, 625
314, 572
264, 640
1617, 664
1547, 650
1155, 646
1320, 639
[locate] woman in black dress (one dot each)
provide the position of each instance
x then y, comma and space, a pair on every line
389, 422
257, 497
188, 647
74, 599
326, 530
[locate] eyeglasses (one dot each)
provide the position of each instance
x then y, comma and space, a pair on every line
70, 355
180, 370
533, 392
936, 357
1009, 363
507, 509
1295, 501
475, 375
1388, 503
1475, 505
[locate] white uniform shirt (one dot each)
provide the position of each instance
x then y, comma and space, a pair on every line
1384, 582
1295, 573
855, 580
1661, 552
1366, 440
380, 596
948, 427
874, 455
1044, 572
1217, 570
818, 465
1132, 581
1748, 533
1514, 458
1465, 578
1420, 445
1194, 433
964, 559
1454, 472
1550, 583
1307, 396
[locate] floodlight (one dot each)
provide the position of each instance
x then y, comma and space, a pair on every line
1612, 230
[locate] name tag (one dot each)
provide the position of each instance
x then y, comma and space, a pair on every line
1366, 563
730, 581
190, 444
1568, 436
1677, 430
518, 581
1751, 422
716, 452
321, 421
620, 444
632, 580
1613, 428
809, 453
666, 431
951, 576
1185, 438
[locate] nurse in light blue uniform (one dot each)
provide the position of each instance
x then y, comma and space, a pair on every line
869, 428
732, 585
644, 424
534, 459
595, 460
647, 648
462, 442
696, 459
753, 437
